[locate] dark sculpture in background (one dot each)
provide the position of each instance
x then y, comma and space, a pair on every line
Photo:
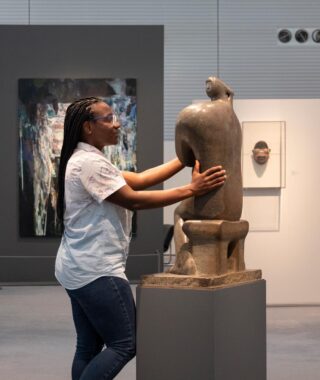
209, 235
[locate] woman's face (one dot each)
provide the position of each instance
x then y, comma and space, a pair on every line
103, 129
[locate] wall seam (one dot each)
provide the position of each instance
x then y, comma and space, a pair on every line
218, 39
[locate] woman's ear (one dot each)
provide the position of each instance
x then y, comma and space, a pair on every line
87, 128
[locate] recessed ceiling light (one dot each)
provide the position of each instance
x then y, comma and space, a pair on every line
301, 35
284, 35
316, 35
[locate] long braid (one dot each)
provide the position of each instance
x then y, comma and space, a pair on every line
77, 113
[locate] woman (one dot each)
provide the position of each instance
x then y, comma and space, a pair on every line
95, 201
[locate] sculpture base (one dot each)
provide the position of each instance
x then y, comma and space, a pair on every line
160, 280
205, 334
212, 248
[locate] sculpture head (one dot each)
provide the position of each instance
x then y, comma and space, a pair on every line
216, 89
261, 152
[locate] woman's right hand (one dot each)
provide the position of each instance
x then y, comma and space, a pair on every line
208, 180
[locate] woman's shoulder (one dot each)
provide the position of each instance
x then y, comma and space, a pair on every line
83, 157
82, 161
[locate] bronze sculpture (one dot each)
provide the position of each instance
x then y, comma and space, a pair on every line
209, 235
211, 133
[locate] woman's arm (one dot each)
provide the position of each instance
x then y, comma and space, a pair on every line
201, 183
153, 176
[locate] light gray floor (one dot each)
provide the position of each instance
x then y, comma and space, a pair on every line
293, 343
37, 338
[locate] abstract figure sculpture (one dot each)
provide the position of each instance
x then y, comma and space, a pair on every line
211, 133
209, 237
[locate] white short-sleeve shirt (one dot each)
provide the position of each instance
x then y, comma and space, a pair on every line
97, 233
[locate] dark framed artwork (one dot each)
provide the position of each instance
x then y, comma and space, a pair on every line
42, 105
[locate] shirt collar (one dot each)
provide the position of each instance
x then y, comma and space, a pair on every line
88, 148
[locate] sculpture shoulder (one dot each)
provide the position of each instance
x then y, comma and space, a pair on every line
199, 111
192, 109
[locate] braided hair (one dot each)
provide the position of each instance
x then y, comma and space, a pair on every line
77, 113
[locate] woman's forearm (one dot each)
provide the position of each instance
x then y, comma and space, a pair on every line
200, 184
153, 176
142, 200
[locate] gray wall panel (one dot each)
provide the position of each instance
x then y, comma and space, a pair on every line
14, 12
78, 52
251, 59
190, 38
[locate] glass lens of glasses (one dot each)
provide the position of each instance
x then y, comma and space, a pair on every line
110, 118
115, 118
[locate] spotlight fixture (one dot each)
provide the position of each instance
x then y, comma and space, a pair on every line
301, 35
284, 35
316, 35
306, 37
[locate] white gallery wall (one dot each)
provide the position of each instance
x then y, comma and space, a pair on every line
290, 256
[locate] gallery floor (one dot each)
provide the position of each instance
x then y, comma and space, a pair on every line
37, 338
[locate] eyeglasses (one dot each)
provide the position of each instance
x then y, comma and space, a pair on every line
110, 118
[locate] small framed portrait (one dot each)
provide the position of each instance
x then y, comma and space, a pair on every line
263, 154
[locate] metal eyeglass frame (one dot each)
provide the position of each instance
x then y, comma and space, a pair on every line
111, 117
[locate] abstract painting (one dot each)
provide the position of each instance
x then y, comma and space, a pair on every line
42, 105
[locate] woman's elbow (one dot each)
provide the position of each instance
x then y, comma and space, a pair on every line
136, 206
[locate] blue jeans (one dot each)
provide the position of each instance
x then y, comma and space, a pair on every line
104, 314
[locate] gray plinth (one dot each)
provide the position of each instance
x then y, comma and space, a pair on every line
191, 334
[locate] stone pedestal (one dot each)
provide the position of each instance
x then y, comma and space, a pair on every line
217, 246
194, 334
216, 249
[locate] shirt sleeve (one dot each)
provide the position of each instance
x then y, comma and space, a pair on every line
100, 178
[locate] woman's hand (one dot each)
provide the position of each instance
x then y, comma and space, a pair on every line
208, 180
